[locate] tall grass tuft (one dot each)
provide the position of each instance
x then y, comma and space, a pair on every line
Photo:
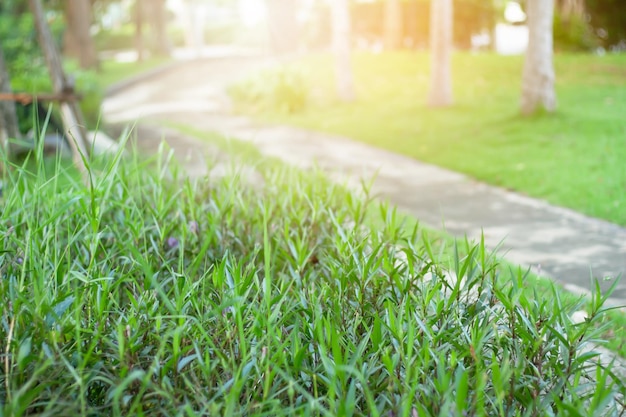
149, 293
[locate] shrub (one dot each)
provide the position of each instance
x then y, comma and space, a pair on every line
283, 89
116, 38
573, 34
150, 294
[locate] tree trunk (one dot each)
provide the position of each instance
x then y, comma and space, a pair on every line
77, 38
9, 127
440, 52
139, 29
341, 49
195, 29
159, 26
70, 112
538, 77
393, 24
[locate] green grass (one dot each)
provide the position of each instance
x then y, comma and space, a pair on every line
446, 246
112, 72
152, 294
574, 158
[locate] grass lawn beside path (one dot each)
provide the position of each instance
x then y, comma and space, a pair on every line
574, 158
112, 72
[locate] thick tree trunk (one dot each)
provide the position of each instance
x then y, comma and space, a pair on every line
393, 24
440, 52
538, 77
9, 127
77, 39
342, 49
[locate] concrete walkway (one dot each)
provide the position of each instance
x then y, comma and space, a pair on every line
559, 243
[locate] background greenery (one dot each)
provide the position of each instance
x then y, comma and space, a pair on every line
29, 73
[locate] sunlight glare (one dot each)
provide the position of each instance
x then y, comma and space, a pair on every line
514, 13
252, 12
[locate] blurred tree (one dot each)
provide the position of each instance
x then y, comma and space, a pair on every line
393, 28
342, 50
138, 19
538, 77
78, 42
159, 25
608, 18
70, 112
572, 30
472, 17
440, 51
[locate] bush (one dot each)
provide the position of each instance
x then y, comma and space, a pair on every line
283, 89
573, 34
153, 296
115, 39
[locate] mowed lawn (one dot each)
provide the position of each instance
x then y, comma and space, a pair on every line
575, 158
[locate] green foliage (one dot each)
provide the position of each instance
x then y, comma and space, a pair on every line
29, 73
282, 89
150, 294
573, 34
472, 17
609, 21
19, 44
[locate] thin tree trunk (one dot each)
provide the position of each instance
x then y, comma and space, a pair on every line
538, 77
440, 52
194, 32
342, 49
393, 24
70, 112
139, 29
77, 39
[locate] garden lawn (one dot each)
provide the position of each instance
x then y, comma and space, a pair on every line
574, 158
112, 72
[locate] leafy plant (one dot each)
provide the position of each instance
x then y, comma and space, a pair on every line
283, 89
